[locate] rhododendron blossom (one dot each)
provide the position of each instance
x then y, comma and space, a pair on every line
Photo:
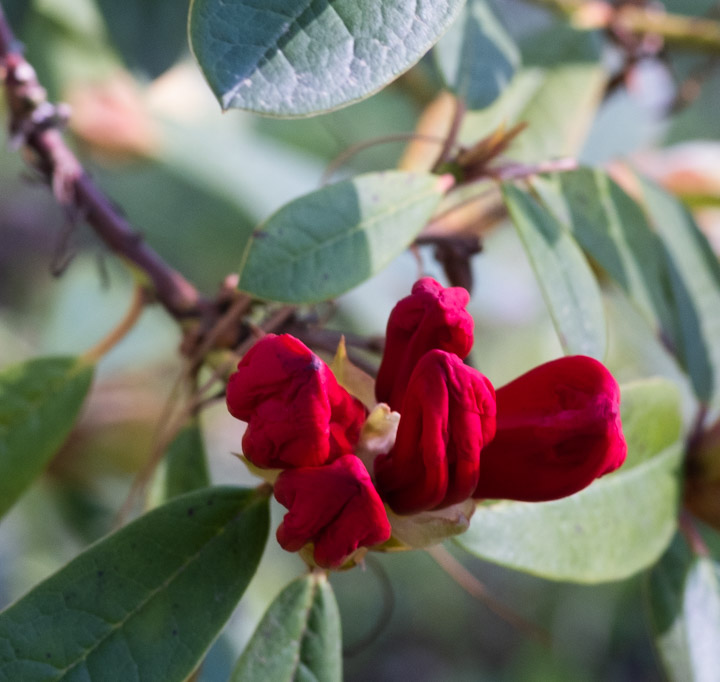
447, 415
432, 317
558, 429
335, 507
297, 413
548, 434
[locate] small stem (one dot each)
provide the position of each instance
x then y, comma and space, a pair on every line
345, 156
225, 324
118, 334
451, 139
468, 582
220, 373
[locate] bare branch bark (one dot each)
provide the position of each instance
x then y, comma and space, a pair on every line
35, 125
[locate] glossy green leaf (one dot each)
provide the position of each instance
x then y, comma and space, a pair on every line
684, 599
184, 467
635, 352
567, 282
39, 403
290, 58
476, 56
612, 229
695, 284
144, 603
298, 637
614, 528
556, 91
331, 240
651, 418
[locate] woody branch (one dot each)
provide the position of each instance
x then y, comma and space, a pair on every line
35, 124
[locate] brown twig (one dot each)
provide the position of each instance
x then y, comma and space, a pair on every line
226, 325
34, 124
454, 253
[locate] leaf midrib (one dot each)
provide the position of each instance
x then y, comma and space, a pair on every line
361, 226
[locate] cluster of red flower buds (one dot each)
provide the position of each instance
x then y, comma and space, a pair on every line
547, 434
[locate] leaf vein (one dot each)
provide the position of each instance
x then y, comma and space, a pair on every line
151, 595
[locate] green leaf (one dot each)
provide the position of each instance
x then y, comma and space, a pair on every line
556, 91
651, 418
614, 528
290, 58
635, 352
568, 285
695, 283
684, 599
327, 242
298, 637
184, 467
613, 230
476, 56
39, 403
144, 603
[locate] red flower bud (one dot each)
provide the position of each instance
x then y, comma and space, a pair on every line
297, 413
558, 429
432, 317
334, 506
448, 414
